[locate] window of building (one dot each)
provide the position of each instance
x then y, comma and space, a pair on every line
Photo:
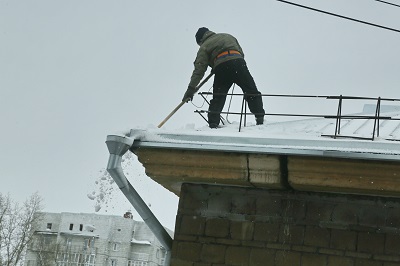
43, 240
76, 258
82, 259
161, 255
80, 227
49, 226
140, 256
139, 259
71, 227
113, 262
89, 260
62, 259
115, 246
88, 243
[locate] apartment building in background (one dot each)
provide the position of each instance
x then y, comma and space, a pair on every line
82, 239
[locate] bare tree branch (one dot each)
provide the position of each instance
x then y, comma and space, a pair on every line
16, 227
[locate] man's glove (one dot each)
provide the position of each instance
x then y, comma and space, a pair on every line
189, 94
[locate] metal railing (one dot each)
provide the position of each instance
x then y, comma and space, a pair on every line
338, 116
62, 248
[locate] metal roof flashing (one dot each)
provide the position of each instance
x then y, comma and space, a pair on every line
240, 142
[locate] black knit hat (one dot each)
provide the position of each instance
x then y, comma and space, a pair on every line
200, 33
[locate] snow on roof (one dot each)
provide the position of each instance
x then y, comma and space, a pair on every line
89, 227
140, 242
307, 136
83, 233
46, 232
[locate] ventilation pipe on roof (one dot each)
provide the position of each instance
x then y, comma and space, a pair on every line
118, 146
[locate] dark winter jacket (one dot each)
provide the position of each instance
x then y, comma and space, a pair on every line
211, 45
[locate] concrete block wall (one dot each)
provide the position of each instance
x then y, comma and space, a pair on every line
221, 225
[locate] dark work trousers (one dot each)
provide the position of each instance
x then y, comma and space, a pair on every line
227, 73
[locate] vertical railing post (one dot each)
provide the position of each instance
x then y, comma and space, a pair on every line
376, 119
245, 112
241, 114
338, 116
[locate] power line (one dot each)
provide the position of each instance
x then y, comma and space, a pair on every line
340, 16
387, 3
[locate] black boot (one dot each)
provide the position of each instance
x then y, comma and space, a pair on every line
260, 120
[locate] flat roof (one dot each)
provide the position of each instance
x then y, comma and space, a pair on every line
308, 137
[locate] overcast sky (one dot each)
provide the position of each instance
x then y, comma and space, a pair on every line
73, 72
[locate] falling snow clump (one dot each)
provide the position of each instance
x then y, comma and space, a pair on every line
105, 188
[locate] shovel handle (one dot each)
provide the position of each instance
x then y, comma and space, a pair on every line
183, 102
171, 114
204, 81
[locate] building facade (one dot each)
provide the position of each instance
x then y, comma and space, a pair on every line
80, 239
263, 198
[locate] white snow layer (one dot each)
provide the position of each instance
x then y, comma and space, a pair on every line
305, 134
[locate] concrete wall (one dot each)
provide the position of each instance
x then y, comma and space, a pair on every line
222, 225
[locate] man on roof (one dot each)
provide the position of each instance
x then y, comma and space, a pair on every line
222, 52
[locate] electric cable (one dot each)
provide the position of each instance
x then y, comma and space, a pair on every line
340, 16
388, 3
204, 100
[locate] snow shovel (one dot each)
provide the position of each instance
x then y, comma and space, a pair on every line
184, 101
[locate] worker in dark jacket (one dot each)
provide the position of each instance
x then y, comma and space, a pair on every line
224, 55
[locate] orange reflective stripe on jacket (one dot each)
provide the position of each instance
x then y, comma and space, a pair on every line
227, 53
